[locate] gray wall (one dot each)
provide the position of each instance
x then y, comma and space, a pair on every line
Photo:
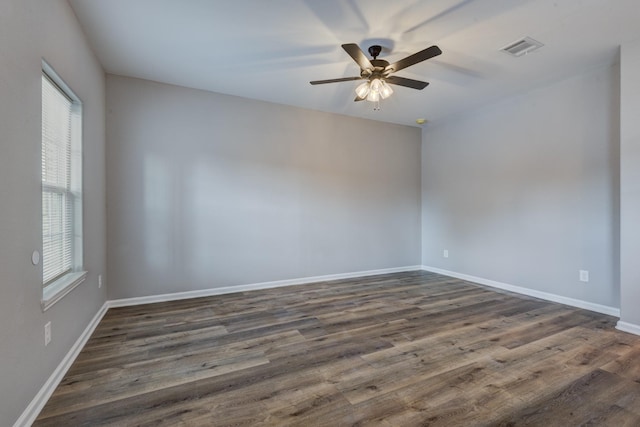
208, 190
525, 191
29, 31
630, 183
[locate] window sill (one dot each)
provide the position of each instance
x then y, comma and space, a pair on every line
61, 287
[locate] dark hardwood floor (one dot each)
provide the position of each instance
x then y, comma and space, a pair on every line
406, 349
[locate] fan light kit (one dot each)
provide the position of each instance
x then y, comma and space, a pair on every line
377, 72
374, 90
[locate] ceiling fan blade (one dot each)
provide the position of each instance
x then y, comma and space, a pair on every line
358, 55
358, 99
344, 79
410, 60
401, 81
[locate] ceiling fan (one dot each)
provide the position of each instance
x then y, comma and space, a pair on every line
378, 72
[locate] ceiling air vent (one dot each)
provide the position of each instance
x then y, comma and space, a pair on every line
522, 46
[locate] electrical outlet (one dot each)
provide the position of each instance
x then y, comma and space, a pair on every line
584, 275
99, 280
445, 253
47, 333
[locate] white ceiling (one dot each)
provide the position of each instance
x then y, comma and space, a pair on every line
271, 49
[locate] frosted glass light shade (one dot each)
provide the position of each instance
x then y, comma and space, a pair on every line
385, 90
363, 90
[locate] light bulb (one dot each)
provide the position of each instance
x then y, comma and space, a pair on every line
385, 90
374, 96
363, 90
376, 84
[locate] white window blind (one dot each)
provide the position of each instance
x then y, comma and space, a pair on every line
57, 197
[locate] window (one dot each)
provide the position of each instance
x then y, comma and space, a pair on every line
61, 189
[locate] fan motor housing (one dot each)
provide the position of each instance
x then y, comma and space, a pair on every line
378, 71
379, 63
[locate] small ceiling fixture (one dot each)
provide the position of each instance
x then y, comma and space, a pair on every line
522, 47
378, 72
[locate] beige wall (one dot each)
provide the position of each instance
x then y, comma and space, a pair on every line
207, 190
525, 191
29, 31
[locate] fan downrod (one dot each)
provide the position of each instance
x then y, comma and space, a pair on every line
375, 50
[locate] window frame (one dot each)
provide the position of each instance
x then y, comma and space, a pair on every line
56, 288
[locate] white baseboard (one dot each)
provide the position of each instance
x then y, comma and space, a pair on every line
32, 411
598, 308
125, 302
628, 327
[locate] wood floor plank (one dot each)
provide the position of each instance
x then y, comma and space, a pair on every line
626, 365
587, 399
401, 349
